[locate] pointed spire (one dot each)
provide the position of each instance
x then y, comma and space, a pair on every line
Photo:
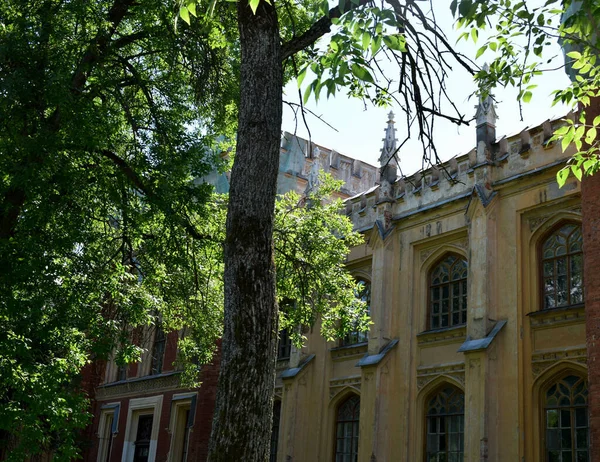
485, 120
486, 112
387, 160
389, 142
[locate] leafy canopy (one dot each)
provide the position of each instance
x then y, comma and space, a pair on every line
108, 118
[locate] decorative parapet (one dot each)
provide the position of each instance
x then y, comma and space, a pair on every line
339, 384
139, 385
349, 351
546, 359
429, 373
442, 336
511, 158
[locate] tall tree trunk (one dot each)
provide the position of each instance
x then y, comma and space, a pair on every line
242, 422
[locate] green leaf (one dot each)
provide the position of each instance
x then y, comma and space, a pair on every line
361, 73
474, 35
589, 164
561, 130
493, 46
366, 40
307, 93
191, 6
453, 7
527, 96
596, 121
395, 42
301, 76
574, 54
591, 135
184, 13
375, 45
576, 171
567, 139
481, 51
464, 7
561, 176
253, 5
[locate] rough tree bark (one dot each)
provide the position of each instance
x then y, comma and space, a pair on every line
242, 422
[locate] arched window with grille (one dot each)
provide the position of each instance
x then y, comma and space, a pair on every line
363, 292
566, 420
346, 434
562, 267
445, 422
448, 292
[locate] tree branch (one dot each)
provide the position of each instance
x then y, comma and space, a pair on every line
317, 30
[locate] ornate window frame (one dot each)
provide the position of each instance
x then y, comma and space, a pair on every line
430, 257
423, 397
540, 387
142, 406
553, 228
355, 425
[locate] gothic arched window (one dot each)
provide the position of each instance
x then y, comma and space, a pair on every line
566, 420
445, 425
346, 434
448, 292
562, 267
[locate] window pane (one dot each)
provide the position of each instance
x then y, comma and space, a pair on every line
552, 418
581, 417
582, 438
554, 456
565, 440
448, 292
552, 439
347, 429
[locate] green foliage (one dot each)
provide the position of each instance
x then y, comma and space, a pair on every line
518, 40
105, 125
103, 130
312, 242
350, 60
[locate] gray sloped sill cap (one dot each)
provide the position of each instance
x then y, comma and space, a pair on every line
482, 343
372, 360
294, 371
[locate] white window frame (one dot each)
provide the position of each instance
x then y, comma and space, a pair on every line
180, 402
109, 409
142, 406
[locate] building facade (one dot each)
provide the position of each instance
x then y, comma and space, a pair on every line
477, 348
473, 272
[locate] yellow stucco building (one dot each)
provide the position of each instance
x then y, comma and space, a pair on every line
477, 345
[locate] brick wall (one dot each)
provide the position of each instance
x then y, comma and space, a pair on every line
590, 199
200, 432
